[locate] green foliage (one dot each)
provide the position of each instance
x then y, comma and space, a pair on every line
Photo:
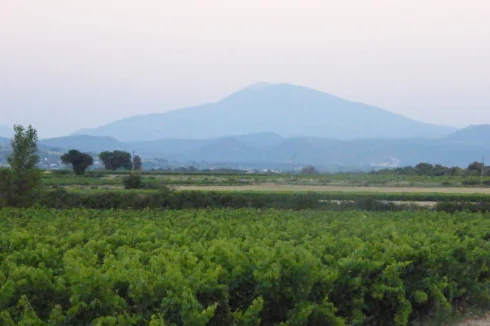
438, 170
475, 168
137, 162
116, 160
238, 267
24, 149
133, 181
19, 184
310, 169
79, 161
19, 188
165, 198
390, 178
424, 168
471, 181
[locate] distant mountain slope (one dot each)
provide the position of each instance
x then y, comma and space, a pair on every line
93, 144
476, 134
267, 149
165, 147
260, 141
283, 109
6, 131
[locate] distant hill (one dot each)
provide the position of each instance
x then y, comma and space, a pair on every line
92, 144
6, 131
283, 109
185, 148
266, 149
476, 134
326, 152
313, 150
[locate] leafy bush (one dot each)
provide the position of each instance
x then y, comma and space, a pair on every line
471, 182
133, 181
19, 188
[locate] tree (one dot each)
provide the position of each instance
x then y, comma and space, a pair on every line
24, 149
18, 185
116, 160
137, 162
424, 168
308, 170
133, 181
475, 168
79, 161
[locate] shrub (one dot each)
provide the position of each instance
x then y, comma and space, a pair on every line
133, 181
471, 182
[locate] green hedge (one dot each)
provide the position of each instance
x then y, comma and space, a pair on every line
168, 199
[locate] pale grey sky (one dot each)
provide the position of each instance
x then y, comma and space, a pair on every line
66, 65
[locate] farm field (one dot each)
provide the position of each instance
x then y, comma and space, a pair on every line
241, 267
240, 249
153, 179
302, 188
480, 321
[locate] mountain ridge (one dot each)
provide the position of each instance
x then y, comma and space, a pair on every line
285, 109
475, 134
269, 148
6, 131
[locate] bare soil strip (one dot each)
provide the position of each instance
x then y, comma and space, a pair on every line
483, 321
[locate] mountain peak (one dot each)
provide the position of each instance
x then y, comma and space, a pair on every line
259, 85
284, 109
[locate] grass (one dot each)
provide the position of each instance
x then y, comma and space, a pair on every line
220, 179
294, 188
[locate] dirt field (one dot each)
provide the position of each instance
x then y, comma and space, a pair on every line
484, 321
275, 187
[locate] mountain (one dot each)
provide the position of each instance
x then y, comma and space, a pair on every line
268, 150
6, 131
185, 148
92, 144
284, 109
321, 152
475, 134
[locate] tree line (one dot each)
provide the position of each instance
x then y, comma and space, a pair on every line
114, 160
427, 169
20, 184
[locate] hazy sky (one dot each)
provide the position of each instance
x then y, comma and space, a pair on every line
66, 65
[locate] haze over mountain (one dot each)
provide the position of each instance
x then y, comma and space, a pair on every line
285, 109
84, 143
475, 134
6, 131
271, 150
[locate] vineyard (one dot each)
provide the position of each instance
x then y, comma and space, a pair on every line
240, 267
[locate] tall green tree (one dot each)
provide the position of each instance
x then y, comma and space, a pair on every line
116, 160
19, 184
79, 161
24, 149
137, 162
